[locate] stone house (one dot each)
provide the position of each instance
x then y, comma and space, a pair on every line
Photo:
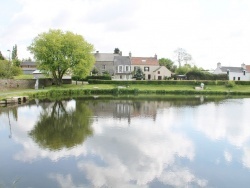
104, 62
122, 66
234, 73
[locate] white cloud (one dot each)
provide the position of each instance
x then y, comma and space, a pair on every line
210, 31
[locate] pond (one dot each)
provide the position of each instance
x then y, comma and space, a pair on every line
126, 142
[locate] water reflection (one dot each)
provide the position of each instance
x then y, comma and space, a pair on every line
168, 142
57, 127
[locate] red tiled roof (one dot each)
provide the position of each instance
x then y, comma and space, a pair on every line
248, 68
144, 61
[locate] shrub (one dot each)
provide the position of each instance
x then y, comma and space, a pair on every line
230, 84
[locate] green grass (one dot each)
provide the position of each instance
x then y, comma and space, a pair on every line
24, 76
184, 89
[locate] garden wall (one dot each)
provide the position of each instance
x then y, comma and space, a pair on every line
23, 84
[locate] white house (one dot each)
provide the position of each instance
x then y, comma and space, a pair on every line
234, 73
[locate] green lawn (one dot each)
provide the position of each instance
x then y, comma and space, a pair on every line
17, 92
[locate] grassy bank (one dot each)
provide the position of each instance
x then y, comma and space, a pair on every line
114, 89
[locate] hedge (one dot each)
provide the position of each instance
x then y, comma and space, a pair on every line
104, 77
159, 82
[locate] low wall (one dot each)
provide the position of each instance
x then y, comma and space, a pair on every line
23, 84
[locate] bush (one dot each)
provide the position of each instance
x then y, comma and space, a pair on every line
230, 84
201, 75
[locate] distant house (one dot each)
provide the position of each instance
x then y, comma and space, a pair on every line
150, 67
28, 67
234, 73
104, 62
161, 72
122, 66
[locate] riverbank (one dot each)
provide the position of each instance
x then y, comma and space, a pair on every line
114, 89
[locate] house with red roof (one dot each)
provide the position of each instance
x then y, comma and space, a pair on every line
150, 67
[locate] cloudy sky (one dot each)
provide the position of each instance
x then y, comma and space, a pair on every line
210, 30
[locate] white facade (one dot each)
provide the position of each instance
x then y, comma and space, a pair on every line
234, 73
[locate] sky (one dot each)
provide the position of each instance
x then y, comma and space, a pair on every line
211, 31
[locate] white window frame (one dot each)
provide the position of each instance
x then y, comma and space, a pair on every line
120, 69
127, 68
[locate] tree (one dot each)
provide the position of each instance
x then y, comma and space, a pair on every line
182, 55
1, 56
57, 53
8, 70
138, 74
168, 63
14, 53
116, 51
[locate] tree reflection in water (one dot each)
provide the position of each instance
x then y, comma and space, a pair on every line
59, 128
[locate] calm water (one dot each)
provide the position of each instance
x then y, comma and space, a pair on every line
168, 142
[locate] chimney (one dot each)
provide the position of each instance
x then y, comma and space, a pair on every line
219, 65
130, 54
155, 56
243, 66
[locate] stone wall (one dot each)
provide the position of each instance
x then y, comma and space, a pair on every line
23, 84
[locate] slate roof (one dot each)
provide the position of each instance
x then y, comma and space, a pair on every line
30, 63
105, 56
144, 61
122, 60
232, 69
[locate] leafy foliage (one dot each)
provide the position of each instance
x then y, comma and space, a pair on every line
138, 74
8, 70
116, 51
59, 52
1, 56
14, 53
168, 63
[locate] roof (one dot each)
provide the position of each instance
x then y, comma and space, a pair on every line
231, 69
144, 61
105, 56
122, 60
248, 68
28, 63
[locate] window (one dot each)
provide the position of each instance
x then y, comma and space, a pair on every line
103, 67
238, 78
146, 68
127, 68
120, 69
159, 72
244, 72
233, 78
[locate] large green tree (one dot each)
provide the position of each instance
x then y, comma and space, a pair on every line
167, 63
57, 53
